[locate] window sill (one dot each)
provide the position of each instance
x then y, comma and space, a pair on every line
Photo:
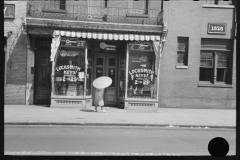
139, 100
217, 85
138, 15
217, 6
54, 10
181, 67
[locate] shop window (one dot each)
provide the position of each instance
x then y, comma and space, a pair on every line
122, 73
141, 71
182, 52
69, 72
89, 74
215, 61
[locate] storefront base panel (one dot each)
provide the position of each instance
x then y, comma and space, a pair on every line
134, 105
14, 94
70, 103
192, 103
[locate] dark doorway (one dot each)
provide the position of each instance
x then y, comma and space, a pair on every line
43, 69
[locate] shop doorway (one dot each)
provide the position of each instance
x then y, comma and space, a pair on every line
105, 64
42, 78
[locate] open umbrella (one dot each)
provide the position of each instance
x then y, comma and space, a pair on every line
102, 82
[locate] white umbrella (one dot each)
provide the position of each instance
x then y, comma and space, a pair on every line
102, 82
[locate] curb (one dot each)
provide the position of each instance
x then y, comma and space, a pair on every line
120, 124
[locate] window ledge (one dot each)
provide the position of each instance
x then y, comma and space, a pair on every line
215, 85
181, 67
54, 10
139, 100
140, 15
217, 6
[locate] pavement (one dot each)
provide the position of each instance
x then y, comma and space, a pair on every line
161, 117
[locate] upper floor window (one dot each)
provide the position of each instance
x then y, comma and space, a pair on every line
182, 51
53, 5
216, 61
139, 6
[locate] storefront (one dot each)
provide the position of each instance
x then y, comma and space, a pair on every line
131, 61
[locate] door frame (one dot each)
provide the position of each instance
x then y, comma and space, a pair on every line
106, 66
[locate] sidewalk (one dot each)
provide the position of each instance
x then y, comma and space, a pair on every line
165, 117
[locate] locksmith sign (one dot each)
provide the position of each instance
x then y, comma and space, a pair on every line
72, 41
9, 10
217, 28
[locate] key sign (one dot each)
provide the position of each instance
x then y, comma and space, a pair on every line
217, 28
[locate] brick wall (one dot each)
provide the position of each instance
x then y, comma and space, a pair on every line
179, 87
16, 58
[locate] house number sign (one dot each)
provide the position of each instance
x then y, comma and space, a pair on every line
217, 28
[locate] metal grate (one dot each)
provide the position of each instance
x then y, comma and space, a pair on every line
93, 13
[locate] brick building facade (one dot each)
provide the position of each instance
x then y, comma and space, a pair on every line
180, 85
179, 82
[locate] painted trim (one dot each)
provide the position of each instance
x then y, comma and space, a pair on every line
218, 6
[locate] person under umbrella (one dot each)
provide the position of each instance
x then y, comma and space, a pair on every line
100, 84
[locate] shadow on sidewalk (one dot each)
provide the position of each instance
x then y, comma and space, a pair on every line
87, 110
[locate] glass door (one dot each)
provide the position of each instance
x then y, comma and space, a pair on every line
106, 65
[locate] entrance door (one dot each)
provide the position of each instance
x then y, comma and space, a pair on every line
42, 77
106, 65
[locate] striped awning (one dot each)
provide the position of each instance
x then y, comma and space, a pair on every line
108, 36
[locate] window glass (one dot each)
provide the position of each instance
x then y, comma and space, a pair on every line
89, 73
69, 72
205, 74
141, 74
182, 51
100, 61
206, 59
122, 73
111, 61
111, 74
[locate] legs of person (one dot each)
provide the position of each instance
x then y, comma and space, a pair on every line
95, 109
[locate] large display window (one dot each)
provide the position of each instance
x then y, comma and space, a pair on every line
72, 77
141, 71
69, 72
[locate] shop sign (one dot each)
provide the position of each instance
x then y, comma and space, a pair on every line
141, 76
141, 46
72, 41
217, 28
9, 10
108, 46
70, 73
64, 53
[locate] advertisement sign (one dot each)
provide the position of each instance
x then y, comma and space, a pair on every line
9, 10
141, 46
217, 28
105, 46
72, 41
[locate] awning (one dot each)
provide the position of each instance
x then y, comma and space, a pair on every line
108, 36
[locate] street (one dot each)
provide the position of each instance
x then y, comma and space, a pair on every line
129, 139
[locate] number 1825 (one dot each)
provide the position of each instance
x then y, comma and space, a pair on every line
217, 28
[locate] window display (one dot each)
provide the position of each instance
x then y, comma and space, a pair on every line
70, 72
141, 74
